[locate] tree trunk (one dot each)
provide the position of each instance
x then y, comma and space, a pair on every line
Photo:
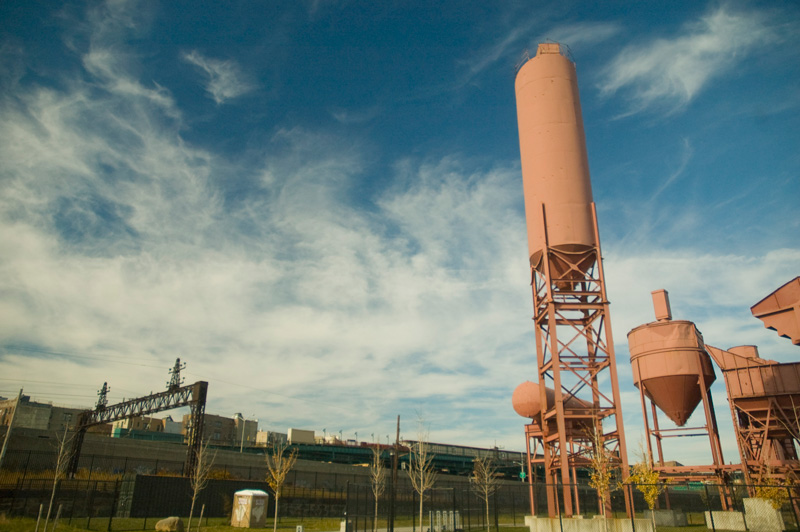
486, 500
275, 518
421, 498
191, 511
52, 498
375, 520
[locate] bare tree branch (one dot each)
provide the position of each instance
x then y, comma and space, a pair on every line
377, 473
63, 455
278, 466
200, 473
421, 472
484, 481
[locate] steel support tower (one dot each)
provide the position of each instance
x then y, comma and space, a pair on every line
574, 346
575, 357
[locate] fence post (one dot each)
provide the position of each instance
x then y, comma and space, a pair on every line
514, 508
346, 505
454, 509
25, 471
89, 502
113, 505
708, 507
633, 508
72, 511
469, 510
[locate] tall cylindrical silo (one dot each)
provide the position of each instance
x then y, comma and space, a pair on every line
555, 167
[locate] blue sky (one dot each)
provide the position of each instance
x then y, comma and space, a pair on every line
318, 205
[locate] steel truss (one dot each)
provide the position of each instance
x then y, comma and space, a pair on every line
765, 407
575, 356
193, 396
767, 435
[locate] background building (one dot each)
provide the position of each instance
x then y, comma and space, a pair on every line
246, 430
42, 416
218, 429
267, 438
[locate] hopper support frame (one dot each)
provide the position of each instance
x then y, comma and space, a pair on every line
764, 398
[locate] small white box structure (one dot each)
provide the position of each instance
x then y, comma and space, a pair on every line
249, 509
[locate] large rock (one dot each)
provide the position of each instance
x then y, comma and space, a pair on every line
170, 524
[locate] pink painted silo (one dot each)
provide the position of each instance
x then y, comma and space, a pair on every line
555, 167
670, 362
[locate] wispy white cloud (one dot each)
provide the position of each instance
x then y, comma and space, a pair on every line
581, 34
514, 42
224, 79
670, 72
117, 242
358, 116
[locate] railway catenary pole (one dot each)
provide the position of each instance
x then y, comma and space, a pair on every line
194, 396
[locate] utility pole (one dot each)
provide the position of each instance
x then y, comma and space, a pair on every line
8, 430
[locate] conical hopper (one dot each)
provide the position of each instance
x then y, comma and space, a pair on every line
676, 395
670, 362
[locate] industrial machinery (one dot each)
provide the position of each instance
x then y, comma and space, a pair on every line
672, 369
574, 345
673, 372
780, 311
764, 396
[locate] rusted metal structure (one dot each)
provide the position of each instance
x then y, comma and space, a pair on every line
574, 345
764, 396
672, 369
194, 396
780, 311
527, 402
674, 373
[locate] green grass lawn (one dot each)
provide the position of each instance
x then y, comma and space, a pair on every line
214, 524
219, 524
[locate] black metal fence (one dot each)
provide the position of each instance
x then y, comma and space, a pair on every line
92, 502
447, 507
458, 507
125, 494
718, 507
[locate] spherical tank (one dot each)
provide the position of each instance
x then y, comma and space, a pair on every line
669, 359
527, 401
555, 167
